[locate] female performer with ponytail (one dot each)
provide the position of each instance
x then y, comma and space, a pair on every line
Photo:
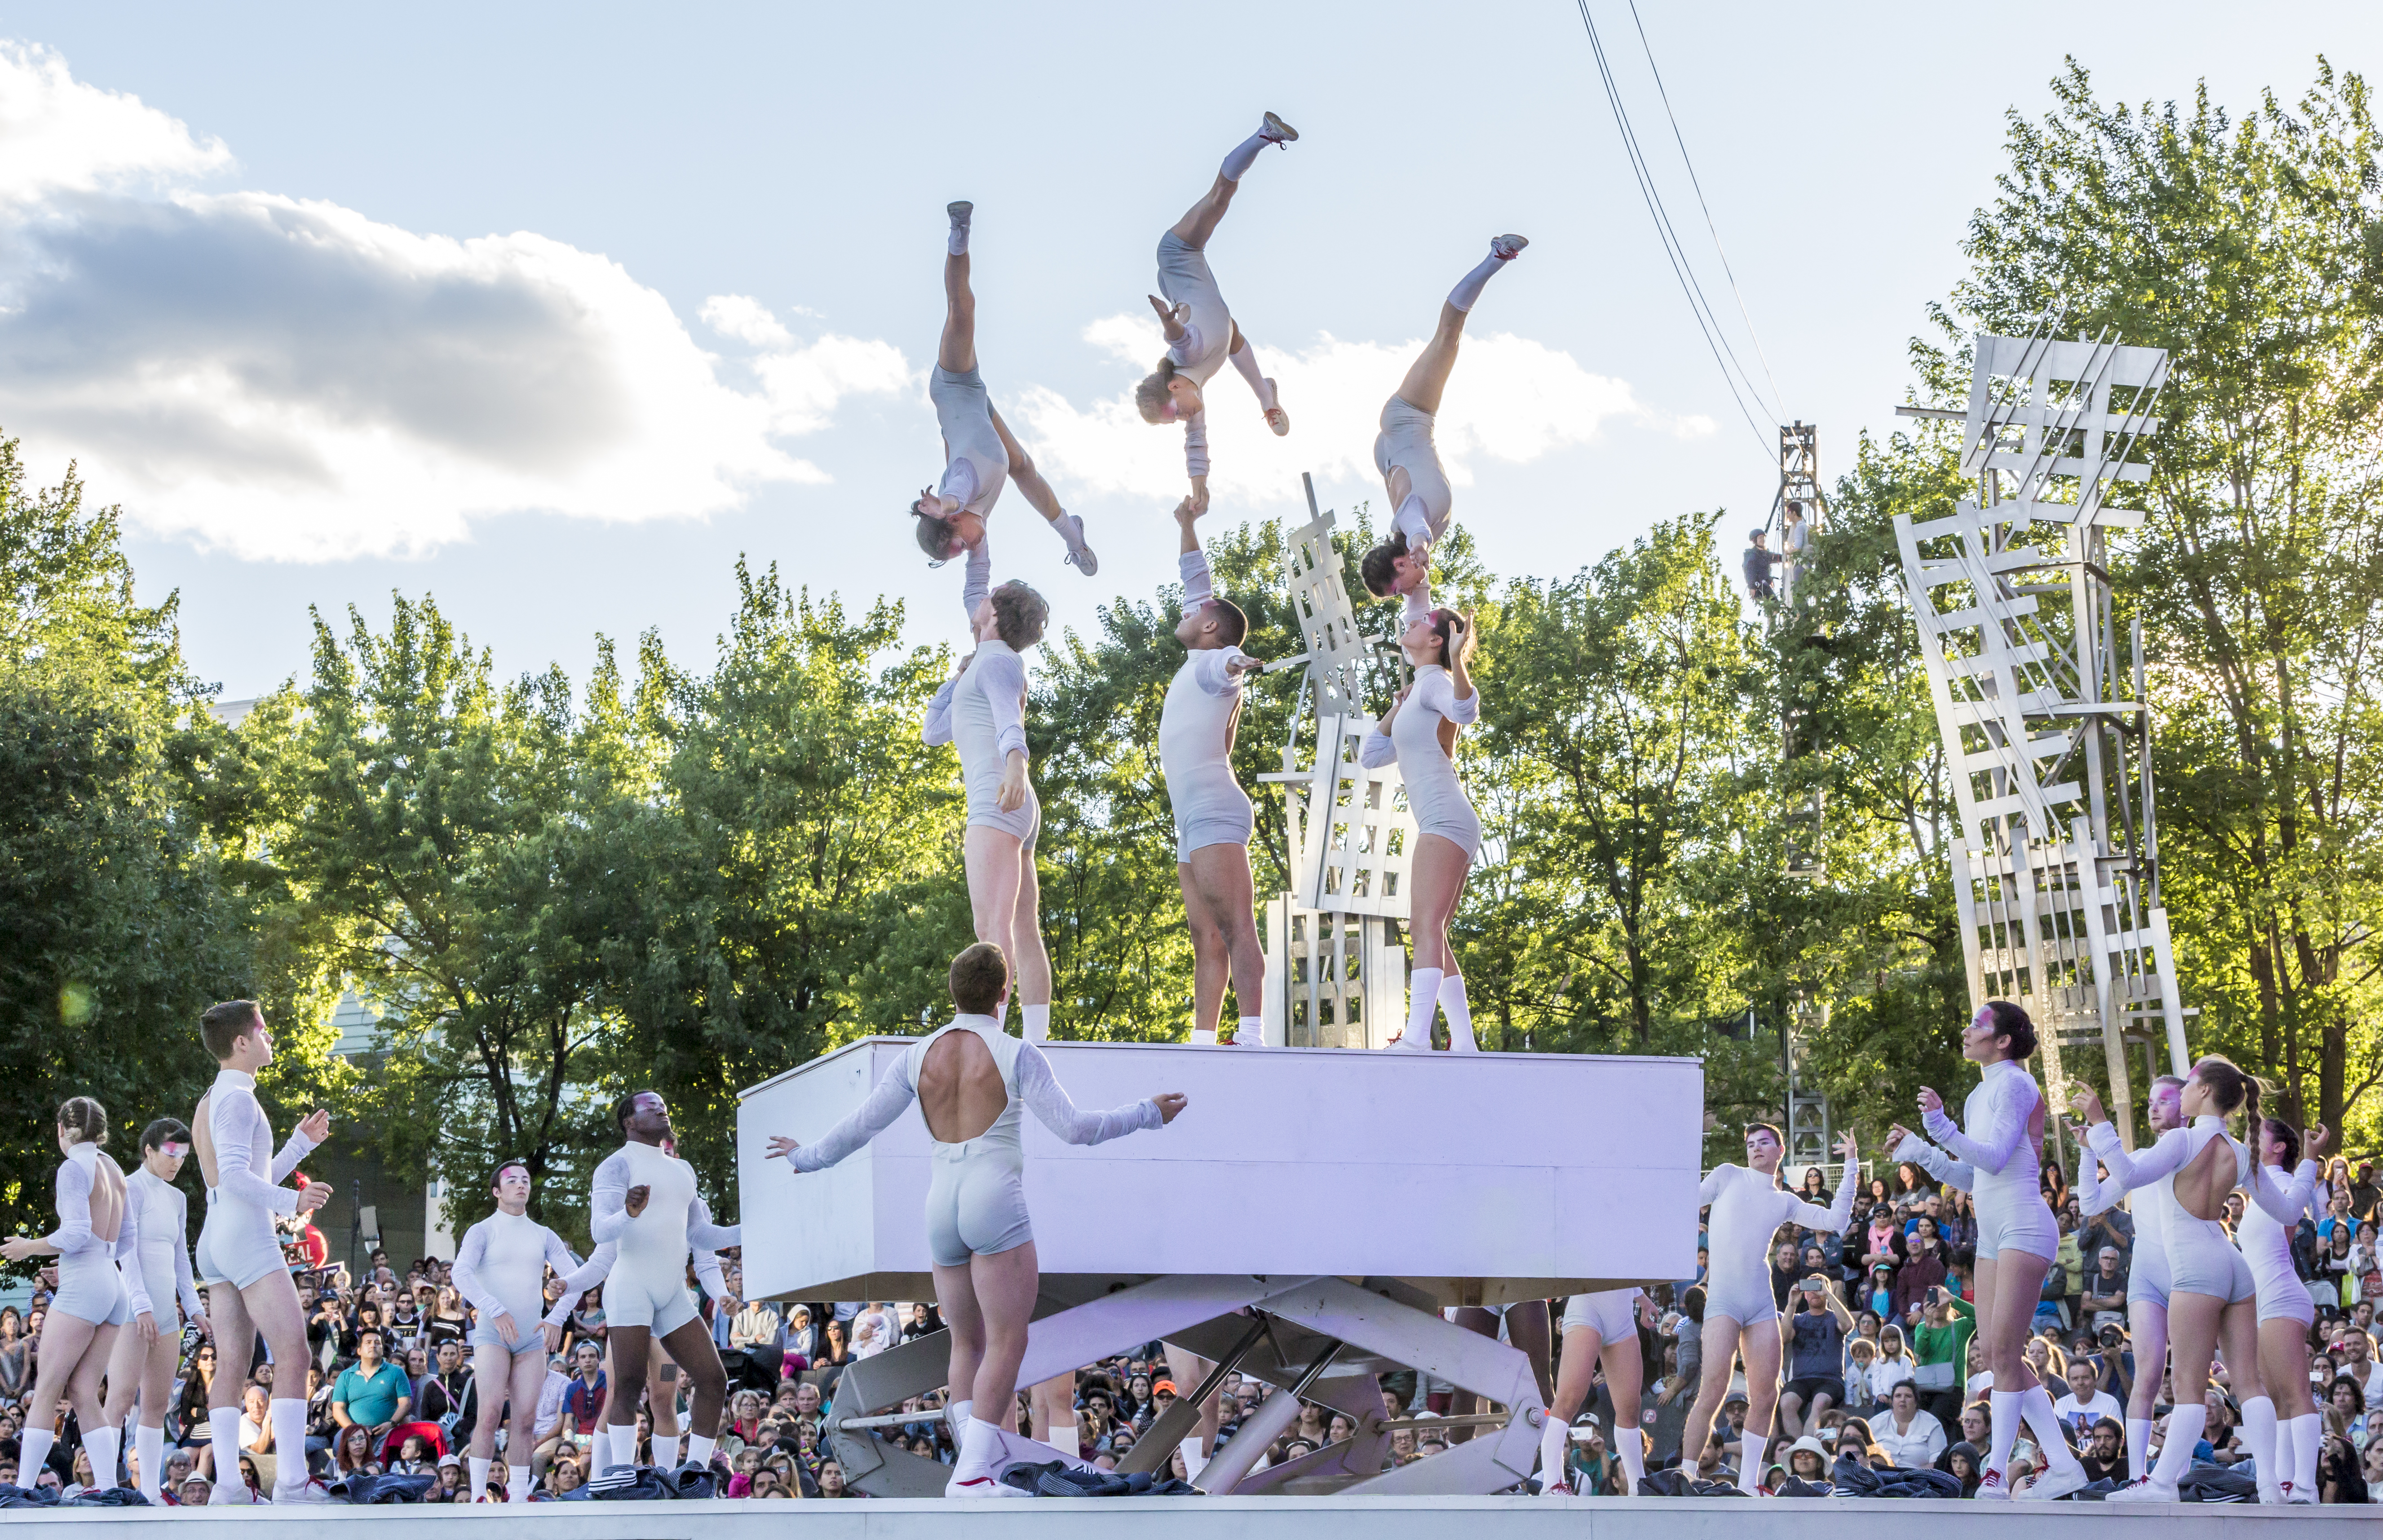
1993, 1152
1420, 734
2211, 1289
2285, 1312
163, 1215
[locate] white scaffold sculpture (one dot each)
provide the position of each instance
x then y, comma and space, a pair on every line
1336, 965
2056, 869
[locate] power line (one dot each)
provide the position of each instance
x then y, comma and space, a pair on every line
1778, 397
1674, 252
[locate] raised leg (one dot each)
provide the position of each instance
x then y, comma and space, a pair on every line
1199, 222
1426, 377
956, 351
1025, 477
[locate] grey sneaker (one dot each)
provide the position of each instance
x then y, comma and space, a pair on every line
1079, 555
1506, 248
1274, 130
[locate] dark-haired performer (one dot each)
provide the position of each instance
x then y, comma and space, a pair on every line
501, 1267
1993, 1152
1748, 1205
981, 711
96, 1226
239, 1260
1200, 333
1420, 497
644, 1199
2213, 1294
164, 1217
972, 1081
980, 452
1212, 813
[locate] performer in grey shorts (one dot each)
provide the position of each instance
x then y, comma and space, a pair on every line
1200, 333
981, 711
1212, 813
980, 455
1420, 497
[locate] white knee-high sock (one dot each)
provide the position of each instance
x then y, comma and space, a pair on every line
2259, 1433
2003, 1416
1244, 155
1245, 362
223, 1423
957, 245
699, 1448
149, 1453
516, 1484
1460, 1014
2035, 1409
479, 1475
33, 1452
616, 1445
2184, 1425
1750, 1459
1204, 1037
1422, 1001
1633, 1454
2307, 1435
1038, 1021
2139, 1447
1552, 1439
956, 1415
101, 1446
980, 1451
288, 1417
1467, 291
1250, 1030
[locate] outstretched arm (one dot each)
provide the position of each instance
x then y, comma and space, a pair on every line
1041, 1093
1840, 1212
2143, 1166
580, 1279
1990, 1147
1936, 1163
873, 1117
2283, 1202
977, 580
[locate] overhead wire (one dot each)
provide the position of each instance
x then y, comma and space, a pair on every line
1777, 396
1674, 251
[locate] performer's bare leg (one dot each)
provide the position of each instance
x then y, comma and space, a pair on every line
1220, 907
1526, 1331
1583, 1351
956, 351
1191, 1370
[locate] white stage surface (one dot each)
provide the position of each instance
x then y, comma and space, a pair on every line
1234, 1518
1475, 1179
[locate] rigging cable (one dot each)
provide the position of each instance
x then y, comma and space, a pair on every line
1672, 251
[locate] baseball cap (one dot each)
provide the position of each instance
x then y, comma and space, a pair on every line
1167, 1386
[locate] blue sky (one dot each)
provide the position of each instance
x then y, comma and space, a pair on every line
551, 311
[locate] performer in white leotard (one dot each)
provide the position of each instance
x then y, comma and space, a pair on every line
146, 1370
2147, 1286
981, 711
1748, 1205
980, 456
1200, 333
2286, 1311
500, 1268
1993, 1152
2211, 1290
1420, 734
1600, 1331
1420, 499
661, 1373
239, 1258
645, 1199
971, 1076
97, 1226
1212, 813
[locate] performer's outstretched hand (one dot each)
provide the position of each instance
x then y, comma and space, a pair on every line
1895, 1134
317, 1126
2314, 1139
1930, 1101
2087, 1105
1848, 1146
1169, 1104
781, 1148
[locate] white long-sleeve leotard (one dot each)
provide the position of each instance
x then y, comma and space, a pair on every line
1434, 794
1992, 1153
501, 1267
88, 1258
1747, 1208
2147, 1279
2267, 1240
1195, 733
165, 1218
599, 1266
2201, 1258
241, 1134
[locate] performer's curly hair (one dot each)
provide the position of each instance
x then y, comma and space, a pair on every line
1018, 615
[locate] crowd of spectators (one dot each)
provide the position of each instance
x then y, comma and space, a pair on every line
1877, 1365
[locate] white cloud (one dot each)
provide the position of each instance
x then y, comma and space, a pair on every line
291, 380
1510, 398
58, 135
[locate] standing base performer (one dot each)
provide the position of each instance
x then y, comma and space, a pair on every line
1601, 1331
1200, 332
980, 455
1213, 819
146, 1369
972, 1081
501, 1267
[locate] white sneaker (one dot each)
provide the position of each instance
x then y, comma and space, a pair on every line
980, 1486
1079, 555
1276, 417
1506, 248
2143, 1489
308, 1492
2054, 1483
1274, 130
1993, 1488
1559, 1489
1409, 1044
2297, 1493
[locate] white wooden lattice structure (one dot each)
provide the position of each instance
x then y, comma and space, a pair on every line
2044, 721
1336, 965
